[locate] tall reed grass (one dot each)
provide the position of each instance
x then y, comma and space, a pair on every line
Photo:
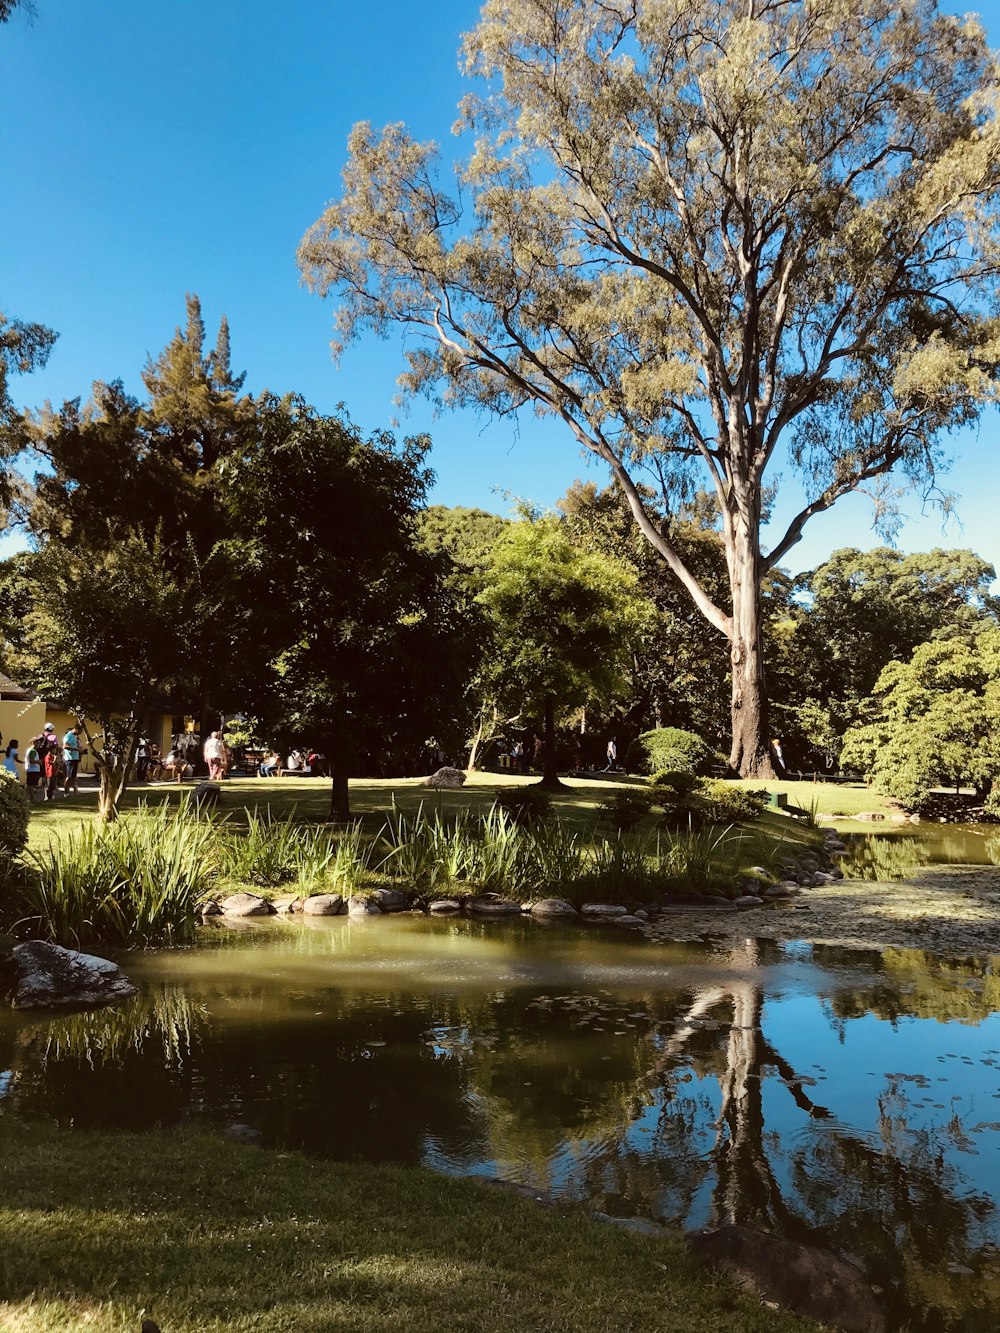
136, 881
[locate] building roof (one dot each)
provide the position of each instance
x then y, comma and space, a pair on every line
9, 689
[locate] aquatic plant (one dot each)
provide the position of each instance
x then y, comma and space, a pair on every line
267, 854
135, 881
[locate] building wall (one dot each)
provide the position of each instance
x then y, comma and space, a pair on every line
20, 720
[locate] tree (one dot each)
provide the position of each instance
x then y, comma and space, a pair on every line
101, 636
856, 613
564, 622
716, 238
116, 463
352, 640
936, 719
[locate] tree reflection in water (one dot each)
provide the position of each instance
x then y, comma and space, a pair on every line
673, 1094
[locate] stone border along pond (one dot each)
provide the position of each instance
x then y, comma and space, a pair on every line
942, 909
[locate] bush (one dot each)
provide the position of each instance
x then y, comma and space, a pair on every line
13, 817
524, 805
725, 803
626, 809
676, 750
680, 783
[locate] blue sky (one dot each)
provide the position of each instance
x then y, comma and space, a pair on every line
152, 149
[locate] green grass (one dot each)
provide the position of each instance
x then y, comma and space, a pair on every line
206, 1236
256, 807
830, 798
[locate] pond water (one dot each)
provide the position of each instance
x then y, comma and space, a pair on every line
895, 853
823, 1093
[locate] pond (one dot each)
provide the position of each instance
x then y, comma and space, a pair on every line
823, 1093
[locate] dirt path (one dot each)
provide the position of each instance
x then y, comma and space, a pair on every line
944, 909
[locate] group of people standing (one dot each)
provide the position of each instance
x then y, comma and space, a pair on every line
47, 762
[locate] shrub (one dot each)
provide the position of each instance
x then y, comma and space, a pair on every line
525, 805
13, 817
626, 809
681, 783
674, 749
726, 803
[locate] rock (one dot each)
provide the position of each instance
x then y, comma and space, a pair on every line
245, 1134
205, 796
628, 920
246, 904
487, 905
748, 900
322, 904
759, 872
359, 904
444, 907
641, 914
50, 977
288, 902
781, 891
642, 1226
446, 777
552, 907
822, 877
391, 900
601, 911
209, 908
801, 1278
148, 1326
871, 816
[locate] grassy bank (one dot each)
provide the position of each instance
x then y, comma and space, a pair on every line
206, 1236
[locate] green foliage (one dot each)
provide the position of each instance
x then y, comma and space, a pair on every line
852, 616
525, 806
563, 622
678, 780
935, 720
268, 853
673, 749
627, 809
134, 882
14, 813
726, 803
358, 640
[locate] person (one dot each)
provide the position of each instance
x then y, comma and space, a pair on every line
214, 752
778, 754
33, 765
142, 759
612, 765
175, 766
314, 764
53, 768
296, 762
11, 760
155, 769
270, 766
71, 758
537, 752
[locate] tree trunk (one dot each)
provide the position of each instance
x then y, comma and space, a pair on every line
550, 772
340, 796
751, 755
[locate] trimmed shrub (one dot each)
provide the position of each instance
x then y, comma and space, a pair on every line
13, 817
681, 783
524, 805
725, 803
626, 809
674, 749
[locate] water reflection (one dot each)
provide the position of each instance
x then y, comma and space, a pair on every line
892, 854
817, 1092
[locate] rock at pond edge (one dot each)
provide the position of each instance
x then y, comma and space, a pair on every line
804, 1279
51, 977
245, 904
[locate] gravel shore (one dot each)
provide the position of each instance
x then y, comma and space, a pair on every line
943, 909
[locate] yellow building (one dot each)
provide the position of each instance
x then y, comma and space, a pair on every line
161, 729
22, 716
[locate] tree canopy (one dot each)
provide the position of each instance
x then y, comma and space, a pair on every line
564, 623
936, 720
709, 238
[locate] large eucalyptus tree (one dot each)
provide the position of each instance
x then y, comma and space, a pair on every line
716, 238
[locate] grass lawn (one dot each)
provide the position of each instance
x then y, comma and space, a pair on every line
829, 798
206, 1236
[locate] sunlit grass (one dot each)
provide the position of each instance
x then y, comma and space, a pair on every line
204, 1236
